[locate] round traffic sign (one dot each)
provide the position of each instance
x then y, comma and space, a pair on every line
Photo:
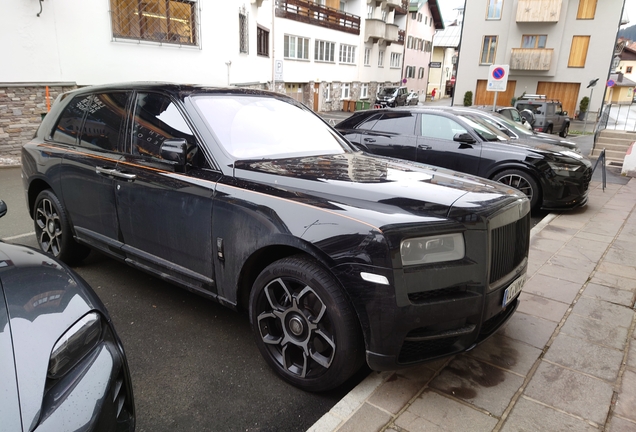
498, 73
610, 83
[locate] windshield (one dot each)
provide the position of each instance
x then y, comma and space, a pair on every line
263, 127
388, 91
485, 130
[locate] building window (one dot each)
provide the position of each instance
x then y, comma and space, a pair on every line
327, 92
420, 73
346, 91
381, 58
587, 9
494, 9
628, 69
166, 21
364, 91
533, 41
347, 54
324, 51
384, 15
243, 33
409, 42
262, 41
488, 50
367, 57
342, 6
578, 51
296, 47
396, 60
426, 20
419, 17
410, 72
370, 10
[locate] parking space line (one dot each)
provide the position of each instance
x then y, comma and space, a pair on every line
18, 236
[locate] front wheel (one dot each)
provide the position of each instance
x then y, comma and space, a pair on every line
521, 181
564, 132
304, 325
53, 231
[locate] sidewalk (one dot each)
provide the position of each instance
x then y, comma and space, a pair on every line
565, 361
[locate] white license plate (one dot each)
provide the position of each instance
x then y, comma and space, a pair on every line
513, 290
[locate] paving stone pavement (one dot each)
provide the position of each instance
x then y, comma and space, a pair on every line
566, 360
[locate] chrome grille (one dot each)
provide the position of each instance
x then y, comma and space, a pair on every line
509, 246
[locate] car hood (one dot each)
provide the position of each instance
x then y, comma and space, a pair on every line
381, 191
43, 299
537, 145
550, 139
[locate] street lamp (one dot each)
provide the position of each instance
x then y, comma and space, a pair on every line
591, 87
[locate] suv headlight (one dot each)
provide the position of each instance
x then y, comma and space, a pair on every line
78, 341
432, 249
562, 166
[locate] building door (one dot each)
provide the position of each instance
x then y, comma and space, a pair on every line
485, 97
294, 91
316, 96
564, 92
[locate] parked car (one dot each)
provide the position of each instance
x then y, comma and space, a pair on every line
510, 113
62, 366
548, 113
413, 98
515, 131
250, 199
456, 138
392, 97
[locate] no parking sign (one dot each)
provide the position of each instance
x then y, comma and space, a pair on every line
498, 78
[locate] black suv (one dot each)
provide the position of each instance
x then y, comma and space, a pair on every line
251, 199
548, 114
392, 96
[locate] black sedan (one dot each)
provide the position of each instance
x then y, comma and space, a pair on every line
250, 199
552, 177
62, 366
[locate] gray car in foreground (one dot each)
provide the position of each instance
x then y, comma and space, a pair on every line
62, 366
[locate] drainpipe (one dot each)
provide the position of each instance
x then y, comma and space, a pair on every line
228, 64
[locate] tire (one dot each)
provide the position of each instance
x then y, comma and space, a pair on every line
521, 181
564, 132
304, 326
548, 130
53, 232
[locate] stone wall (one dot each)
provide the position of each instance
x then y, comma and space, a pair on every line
21, 110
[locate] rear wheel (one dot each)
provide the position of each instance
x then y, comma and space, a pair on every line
521, 181
548, 130
564, 132
53, 231
304, 325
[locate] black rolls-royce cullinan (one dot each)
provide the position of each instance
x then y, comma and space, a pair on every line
249, 198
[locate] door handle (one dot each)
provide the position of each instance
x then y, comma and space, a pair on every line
369, 140
425, 147
115, 173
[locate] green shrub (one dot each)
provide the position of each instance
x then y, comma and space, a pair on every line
584, 104
468, 98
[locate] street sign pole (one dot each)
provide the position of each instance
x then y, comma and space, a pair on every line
494, 105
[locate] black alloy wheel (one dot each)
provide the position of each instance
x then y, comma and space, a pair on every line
564, 132
53, 231
304, 325
521, 181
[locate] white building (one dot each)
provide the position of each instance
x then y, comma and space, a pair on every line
553, 47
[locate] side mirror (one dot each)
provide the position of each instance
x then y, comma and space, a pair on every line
565, 113
175, 150
464, 138
3, 208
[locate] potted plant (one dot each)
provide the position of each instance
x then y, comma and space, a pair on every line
468, 98
583, 106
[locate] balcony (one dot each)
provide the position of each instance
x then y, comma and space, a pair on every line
315, 14
538, 11
401, 37
401, 6
392, 33
531, 59
374, 29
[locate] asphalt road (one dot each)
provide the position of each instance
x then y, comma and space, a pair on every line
194, 363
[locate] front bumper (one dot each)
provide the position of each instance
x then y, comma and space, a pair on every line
566, 192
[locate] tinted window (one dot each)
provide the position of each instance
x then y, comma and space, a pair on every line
399, 123
369, 123
157, 119
67, 128
439, 127
104, 120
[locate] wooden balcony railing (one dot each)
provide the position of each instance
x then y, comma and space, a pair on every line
538, 10
315, 14
401, 37
531, 59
